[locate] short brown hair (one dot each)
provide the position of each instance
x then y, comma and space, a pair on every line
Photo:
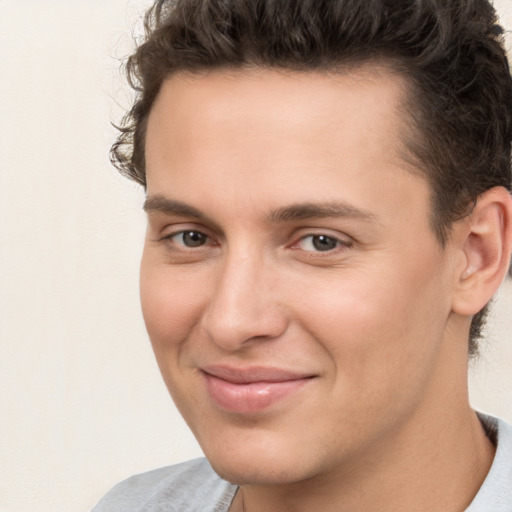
451, 52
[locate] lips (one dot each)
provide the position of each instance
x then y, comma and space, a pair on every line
251, 390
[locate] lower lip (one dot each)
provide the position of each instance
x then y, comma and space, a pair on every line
251, 397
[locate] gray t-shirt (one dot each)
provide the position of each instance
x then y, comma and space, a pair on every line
193, 486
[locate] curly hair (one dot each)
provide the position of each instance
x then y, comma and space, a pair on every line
451, 53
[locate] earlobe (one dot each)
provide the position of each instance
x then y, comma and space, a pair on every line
486, 246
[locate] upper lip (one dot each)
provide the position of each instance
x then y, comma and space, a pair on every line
253, 374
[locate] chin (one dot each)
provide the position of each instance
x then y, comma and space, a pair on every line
255, 474
259, 466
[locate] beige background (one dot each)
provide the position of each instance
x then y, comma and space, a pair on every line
82, 405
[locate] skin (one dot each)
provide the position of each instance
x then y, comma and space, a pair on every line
379, 320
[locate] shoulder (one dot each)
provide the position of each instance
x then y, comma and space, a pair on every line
187, 487
496, 491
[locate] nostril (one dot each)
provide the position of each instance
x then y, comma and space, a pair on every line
232, 329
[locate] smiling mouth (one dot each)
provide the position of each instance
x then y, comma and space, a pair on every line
248, 391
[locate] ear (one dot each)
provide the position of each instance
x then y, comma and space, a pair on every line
484, 240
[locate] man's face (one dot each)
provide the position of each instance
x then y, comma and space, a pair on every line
294, 293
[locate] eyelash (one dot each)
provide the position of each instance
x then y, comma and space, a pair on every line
169, 238
339, 244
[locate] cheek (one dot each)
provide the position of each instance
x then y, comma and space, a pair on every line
171, 305
379, 333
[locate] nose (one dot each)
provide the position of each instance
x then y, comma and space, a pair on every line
244, 306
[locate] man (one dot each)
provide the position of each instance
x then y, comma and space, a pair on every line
329, 212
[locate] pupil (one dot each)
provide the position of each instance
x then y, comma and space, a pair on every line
193, 238
324, 243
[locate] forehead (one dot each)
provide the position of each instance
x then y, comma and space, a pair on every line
293, 136
255, 101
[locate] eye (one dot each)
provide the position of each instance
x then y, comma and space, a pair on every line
189, 238
320, 243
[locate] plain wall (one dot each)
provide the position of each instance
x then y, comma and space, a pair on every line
82, 403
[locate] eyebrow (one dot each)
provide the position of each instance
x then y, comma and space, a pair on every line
169, 206
297, 211
304, 211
